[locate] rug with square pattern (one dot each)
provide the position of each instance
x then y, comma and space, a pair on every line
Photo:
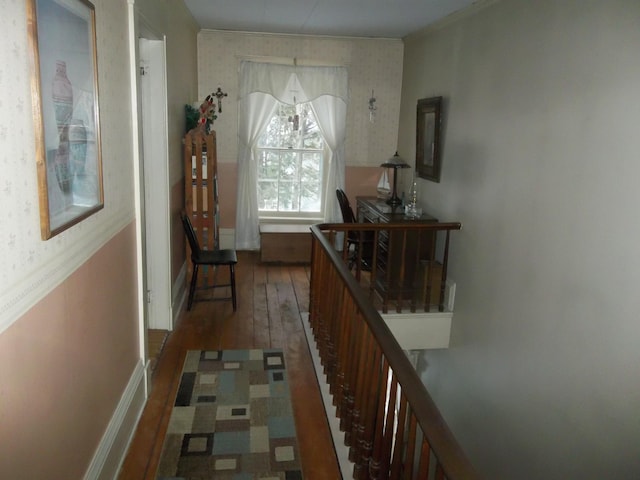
232, 419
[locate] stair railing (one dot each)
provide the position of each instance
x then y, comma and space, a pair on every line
391, 425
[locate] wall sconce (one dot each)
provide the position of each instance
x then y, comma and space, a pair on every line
395, 162
372, 108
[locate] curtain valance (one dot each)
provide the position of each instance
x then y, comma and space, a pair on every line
305, 83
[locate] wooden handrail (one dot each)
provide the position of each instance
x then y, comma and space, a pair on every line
391, 424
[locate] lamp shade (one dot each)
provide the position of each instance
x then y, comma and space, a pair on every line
395, 162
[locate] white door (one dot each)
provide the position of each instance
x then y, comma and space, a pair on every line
153, 98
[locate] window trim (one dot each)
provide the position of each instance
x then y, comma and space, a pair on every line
299, 217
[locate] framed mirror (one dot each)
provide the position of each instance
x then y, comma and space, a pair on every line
64, 91
428, 162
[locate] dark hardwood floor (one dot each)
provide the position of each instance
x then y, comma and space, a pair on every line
270, 299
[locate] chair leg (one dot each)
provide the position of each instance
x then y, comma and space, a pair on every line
232, 272
192, 287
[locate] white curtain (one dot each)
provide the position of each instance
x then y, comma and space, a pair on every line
262, 86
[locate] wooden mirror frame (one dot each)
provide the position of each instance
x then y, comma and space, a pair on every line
428, 162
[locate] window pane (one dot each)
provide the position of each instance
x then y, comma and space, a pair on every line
268, 164
271, 136
288, 194
288, 166
310, 197
268, 195
313, 140
311, 163
290, 162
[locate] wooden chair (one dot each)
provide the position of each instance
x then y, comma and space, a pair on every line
360, 243
212, 258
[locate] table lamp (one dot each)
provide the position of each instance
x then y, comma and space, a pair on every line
395, 162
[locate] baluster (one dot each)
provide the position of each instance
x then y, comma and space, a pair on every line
363, 356
341, 336
372, 395
317, 274
374, 266
335, 289
337, 313
445, 263
345, 246
356, 350
398, 444
425, 458
429, 269
383, 442
401, 273
416, 276
344, 404
411, 446
358, 413
387, 281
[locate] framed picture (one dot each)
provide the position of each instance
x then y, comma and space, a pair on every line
428, 163
64, 93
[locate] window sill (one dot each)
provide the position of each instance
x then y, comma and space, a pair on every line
290, 221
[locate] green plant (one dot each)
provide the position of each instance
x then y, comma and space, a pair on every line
192, 116
205, 115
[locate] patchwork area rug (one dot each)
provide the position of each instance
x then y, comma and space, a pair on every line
232, 419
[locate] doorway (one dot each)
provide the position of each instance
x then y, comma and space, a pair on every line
156, 182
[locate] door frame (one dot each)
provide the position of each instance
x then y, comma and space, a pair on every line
155, 160
138, 28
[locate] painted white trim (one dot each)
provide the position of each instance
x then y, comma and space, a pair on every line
153, 90
342, 451
419, 331
19, 297
113, 446
227, 238
137, 179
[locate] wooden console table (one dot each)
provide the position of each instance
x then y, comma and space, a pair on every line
406, 268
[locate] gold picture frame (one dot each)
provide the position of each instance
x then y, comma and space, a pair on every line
428, 162
64, 96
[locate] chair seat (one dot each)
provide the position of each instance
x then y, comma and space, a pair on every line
217, 257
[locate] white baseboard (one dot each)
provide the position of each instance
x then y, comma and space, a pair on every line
420, 331
342, 451
227, 238
112, 449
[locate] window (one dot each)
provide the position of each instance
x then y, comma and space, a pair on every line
291, 164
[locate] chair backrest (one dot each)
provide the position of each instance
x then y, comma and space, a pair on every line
190, 233
345, 207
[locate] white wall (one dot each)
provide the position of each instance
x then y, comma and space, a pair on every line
541, 165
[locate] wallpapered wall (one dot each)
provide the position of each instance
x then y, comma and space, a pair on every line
30, 267
68, 306
374, 64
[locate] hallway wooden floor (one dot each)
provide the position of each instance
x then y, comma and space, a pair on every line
270, 299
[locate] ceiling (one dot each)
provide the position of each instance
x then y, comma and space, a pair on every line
351, 18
